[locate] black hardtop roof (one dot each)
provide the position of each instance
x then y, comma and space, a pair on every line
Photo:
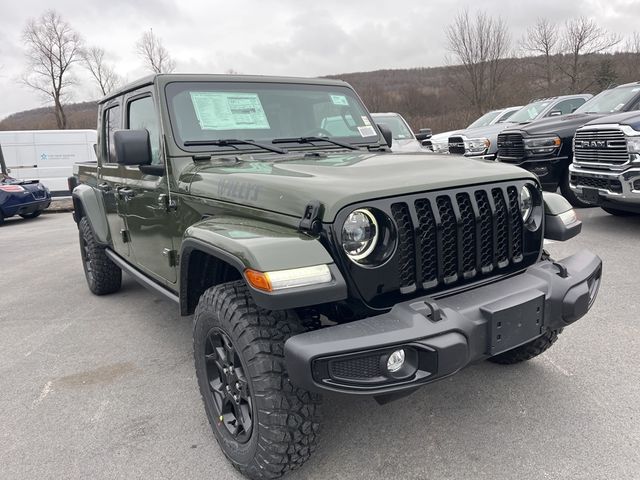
210, 77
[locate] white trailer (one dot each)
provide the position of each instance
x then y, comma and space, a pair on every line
47, 155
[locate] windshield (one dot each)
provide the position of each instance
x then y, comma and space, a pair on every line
262, 112
610, 101
397, 126
529, 112
506, 115
485, 119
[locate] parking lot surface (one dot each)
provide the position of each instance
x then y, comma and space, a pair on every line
104, 387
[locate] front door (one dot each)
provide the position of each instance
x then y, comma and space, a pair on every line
149, 221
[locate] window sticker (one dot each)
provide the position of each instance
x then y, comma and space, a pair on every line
365, 120
339, 100
229, 111
618, 107
368, 131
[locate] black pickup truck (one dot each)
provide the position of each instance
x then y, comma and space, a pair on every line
545, 147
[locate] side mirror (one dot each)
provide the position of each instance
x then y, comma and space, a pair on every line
423, 134
560, 220
386, 133
555, 113
132, 147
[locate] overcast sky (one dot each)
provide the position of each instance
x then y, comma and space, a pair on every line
288, 37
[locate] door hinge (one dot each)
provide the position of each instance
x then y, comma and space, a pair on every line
167, 203
126, 238
172, 256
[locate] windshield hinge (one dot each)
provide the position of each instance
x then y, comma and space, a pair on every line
311, 220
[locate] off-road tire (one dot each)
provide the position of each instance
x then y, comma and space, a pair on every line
103, 276
528, 350
31, 215
285, 418
567, 193
618, 213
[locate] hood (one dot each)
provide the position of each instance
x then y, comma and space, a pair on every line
407, 145
286, 185
444, 135
631, 119
564, 125
487, 131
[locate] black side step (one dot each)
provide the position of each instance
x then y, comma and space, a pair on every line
142, 278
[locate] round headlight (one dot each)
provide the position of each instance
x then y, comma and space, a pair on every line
359, 234
526, 203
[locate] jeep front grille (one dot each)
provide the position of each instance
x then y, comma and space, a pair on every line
446, 239
456, 145
602, 147
510, 146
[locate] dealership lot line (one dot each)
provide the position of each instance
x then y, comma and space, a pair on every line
104, 387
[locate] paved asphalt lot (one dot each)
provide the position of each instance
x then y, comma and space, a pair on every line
104, 387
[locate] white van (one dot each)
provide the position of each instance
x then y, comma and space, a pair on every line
47, 155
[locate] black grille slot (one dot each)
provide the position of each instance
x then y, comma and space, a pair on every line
516, 224
510, 146
456, 145
502, 226
406, 244
449, 257
427, 239
358, 368
468, 221
486, 230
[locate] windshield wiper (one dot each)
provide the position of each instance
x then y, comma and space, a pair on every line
232, 142
310, 140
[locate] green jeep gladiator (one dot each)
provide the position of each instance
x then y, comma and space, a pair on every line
311, 257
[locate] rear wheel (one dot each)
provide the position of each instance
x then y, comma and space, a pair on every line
528, 350
264, 425
31, 215
618, 213
567, 193
103, 276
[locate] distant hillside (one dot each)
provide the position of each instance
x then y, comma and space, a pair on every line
80, 115
424, 96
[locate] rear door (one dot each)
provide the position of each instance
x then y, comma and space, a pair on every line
109, 177
148, 220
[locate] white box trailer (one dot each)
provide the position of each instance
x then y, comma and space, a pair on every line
47, 155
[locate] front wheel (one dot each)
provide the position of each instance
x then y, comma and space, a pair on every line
264, 425
528, 350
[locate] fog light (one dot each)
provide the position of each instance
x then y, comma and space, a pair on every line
396, 361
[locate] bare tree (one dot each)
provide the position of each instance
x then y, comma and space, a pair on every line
103, 73
52, 48
480, 44
543, 39
155, 56
581, 38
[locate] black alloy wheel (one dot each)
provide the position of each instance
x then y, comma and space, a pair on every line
228, 386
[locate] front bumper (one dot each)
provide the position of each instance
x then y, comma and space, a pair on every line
548, 170
444, 335
611, 186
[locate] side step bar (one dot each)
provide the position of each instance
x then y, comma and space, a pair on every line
141, 278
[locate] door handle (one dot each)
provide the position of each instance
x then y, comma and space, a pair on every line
104, 186
125, 193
